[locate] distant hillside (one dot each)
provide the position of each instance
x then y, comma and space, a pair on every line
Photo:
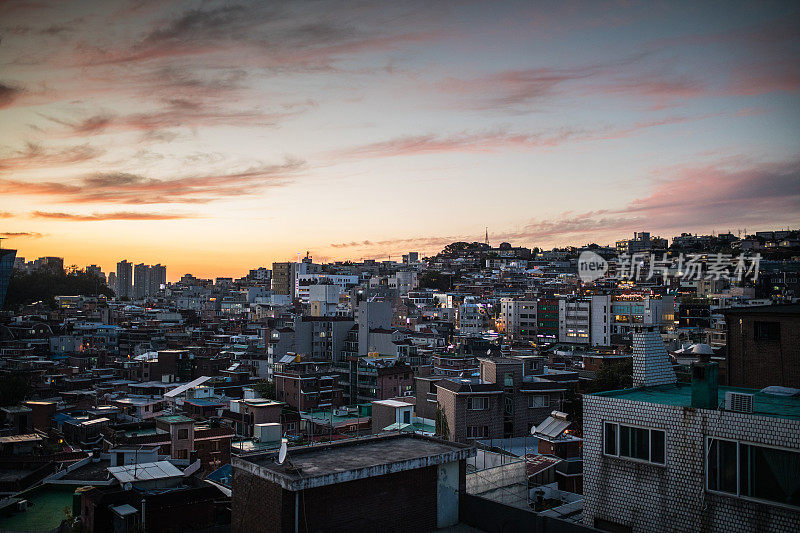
44, 285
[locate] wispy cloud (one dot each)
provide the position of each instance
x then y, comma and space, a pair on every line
264, 35
8, 94
127, 188
35, 155
120, 215
20, 234
725, 194
501, 139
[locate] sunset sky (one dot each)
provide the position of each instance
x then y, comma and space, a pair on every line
219, 137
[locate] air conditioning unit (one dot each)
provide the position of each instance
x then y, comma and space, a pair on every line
22, 505
739, 402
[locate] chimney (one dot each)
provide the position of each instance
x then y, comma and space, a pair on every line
651, 363
705, 390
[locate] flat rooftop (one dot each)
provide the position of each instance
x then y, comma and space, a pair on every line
352, 459
680, 394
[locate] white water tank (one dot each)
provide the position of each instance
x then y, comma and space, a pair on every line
267, 432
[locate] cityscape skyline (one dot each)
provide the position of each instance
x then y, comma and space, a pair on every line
236, 272
219, 135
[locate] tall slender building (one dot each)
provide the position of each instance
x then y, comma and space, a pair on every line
140, 280
124, 288
6, 267
158, 277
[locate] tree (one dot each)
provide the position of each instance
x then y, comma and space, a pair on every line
13, 389
265, 389
442, 427
45, 284
573, 406
435, 280
613, 376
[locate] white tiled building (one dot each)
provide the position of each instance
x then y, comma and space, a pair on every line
653, 462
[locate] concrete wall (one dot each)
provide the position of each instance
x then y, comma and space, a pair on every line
498, 476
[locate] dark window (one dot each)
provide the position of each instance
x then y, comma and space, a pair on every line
657, 445
183, 434
722, 466
765, 473
767, 331
610, 439
634, 443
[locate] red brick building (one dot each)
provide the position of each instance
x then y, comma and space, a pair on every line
763, 346
307, 385
504, 402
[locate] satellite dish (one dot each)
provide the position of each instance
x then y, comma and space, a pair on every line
282, 452
127, 486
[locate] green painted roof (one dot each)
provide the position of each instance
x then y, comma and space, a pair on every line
175, 419
680, 394
46, 510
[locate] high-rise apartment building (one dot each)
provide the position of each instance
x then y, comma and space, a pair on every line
124, 285
147, 280
97, 271
6, 267
158, 277
282, 278
141, 275
55, 264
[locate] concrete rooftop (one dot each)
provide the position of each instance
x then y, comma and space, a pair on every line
349, 460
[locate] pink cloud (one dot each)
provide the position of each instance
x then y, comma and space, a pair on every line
125, 188
493, 141
120, 215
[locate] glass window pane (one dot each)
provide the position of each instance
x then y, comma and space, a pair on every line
624, 441
611, 439
640, 443
722, 466
657, 446
774, 474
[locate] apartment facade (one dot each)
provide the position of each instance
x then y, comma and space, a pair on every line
503, 403
517, 319
669, 456
763, 346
